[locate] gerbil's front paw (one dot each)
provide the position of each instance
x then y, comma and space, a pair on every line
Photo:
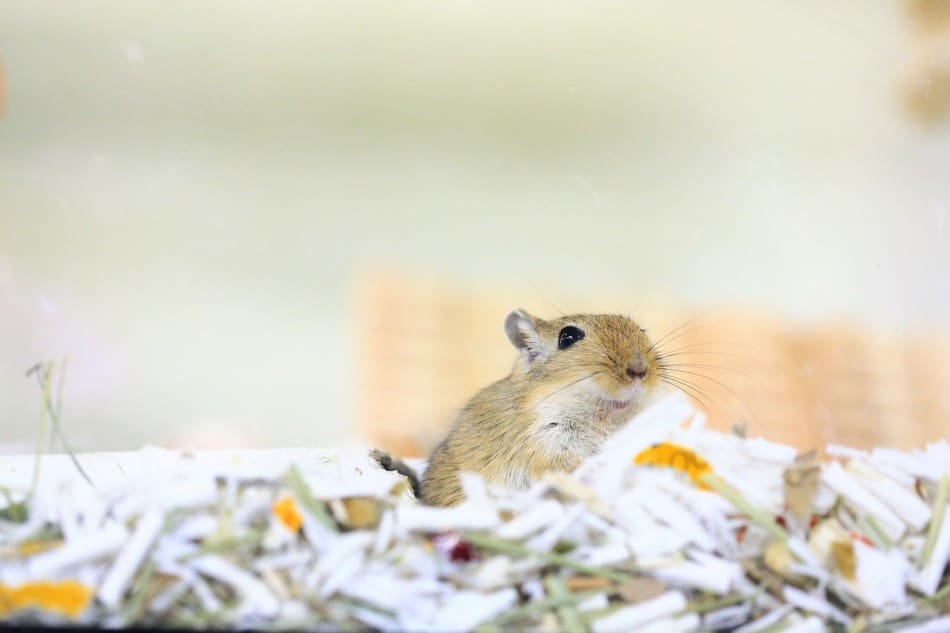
394, 464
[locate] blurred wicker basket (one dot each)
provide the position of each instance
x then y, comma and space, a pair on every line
925, 69
426, 347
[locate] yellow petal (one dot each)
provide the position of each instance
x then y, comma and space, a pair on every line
67, 597
677, 457
287, 513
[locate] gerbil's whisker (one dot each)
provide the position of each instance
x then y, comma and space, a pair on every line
570, 384
678, 328
705, 399
707, 344
679, 366
690, 389
711, 379
697, 351
682, 329
690, 354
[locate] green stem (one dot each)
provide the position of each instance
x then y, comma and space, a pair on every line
136, 602
940, 505
546, 604
358, 603
16, 511
56, 416
311, 503
228, 544
781, 625
135, 605
46, 378
763, 518
874, 531
507, 547
717, 603
571, 619
943, 593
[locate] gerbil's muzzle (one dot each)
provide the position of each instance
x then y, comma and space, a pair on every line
637, 369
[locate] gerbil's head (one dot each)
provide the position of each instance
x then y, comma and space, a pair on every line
603, 360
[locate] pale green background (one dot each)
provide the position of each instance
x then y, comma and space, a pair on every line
188, 190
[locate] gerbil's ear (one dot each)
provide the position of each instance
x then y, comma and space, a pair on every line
522, 331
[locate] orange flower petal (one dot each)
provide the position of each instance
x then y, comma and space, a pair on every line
285, 509
67, 597
674, 456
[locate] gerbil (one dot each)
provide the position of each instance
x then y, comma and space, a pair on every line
577, 379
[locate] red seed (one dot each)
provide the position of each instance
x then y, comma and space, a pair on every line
453, 547
463, 552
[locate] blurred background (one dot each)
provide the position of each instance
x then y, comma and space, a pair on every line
303, 223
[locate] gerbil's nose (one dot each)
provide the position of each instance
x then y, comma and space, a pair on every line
637, 370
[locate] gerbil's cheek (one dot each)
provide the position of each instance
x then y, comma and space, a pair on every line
612, 384
652, 379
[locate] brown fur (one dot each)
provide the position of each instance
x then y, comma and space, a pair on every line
555, 408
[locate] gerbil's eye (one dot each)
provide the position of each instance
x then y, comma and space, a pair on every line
569, 336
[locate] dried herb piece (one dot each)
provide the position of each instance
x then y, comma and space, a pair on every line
778, 557
801, 481
362, 512
586, 583
842, 553
640, 588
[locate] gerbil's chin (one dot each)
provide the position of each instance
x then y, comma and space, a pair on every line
625, 400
